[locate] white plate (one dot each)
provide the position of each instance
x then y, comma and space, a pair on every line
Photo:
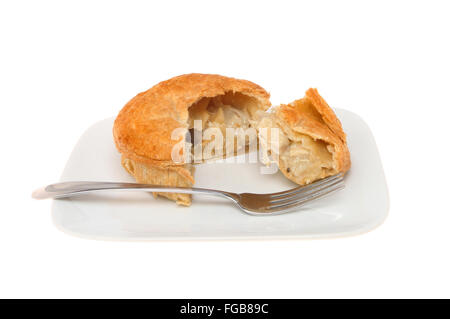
360, 207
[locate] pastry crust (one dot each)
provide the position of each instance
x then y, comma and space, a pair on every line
144, 127
169, 176
311, 120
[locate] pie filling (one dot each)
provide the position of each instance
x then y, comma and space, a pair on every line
224, 121
304, 159
308, 160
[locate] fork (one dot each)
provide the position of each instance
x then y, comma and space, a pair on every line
250, 203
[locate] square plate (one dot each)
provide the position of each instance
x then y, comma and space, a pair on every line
360, 207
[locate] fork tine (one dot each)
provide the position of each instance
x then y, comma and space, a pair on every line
301, 189
281, 208
302, 193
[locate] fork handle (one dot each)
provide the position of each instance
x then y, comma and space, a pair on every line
69, 189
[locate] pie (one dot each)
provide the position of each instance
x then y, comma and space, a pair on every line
151, 129
311, 143
156, 132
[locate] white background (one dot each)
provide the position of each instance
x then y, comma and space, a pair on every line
66, 65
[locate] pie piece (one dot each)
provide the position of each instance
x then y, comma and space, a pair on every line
154, 131
311, 143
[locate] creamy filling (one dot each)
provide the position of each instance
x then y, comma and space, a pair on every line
215, 116
305, 159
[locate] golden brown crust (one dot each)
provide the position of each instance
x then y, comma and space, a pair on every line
143, 129
328, 116
313, 117
179, 176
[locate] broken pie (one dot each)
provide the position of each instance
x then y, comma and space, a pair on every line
153, 127
311, 143
156, 131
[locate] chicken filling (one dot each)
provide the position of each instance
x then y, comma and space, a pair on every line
219, 126
304, 159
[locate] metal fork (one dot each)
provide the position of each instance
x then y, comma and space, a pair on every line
253, 204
